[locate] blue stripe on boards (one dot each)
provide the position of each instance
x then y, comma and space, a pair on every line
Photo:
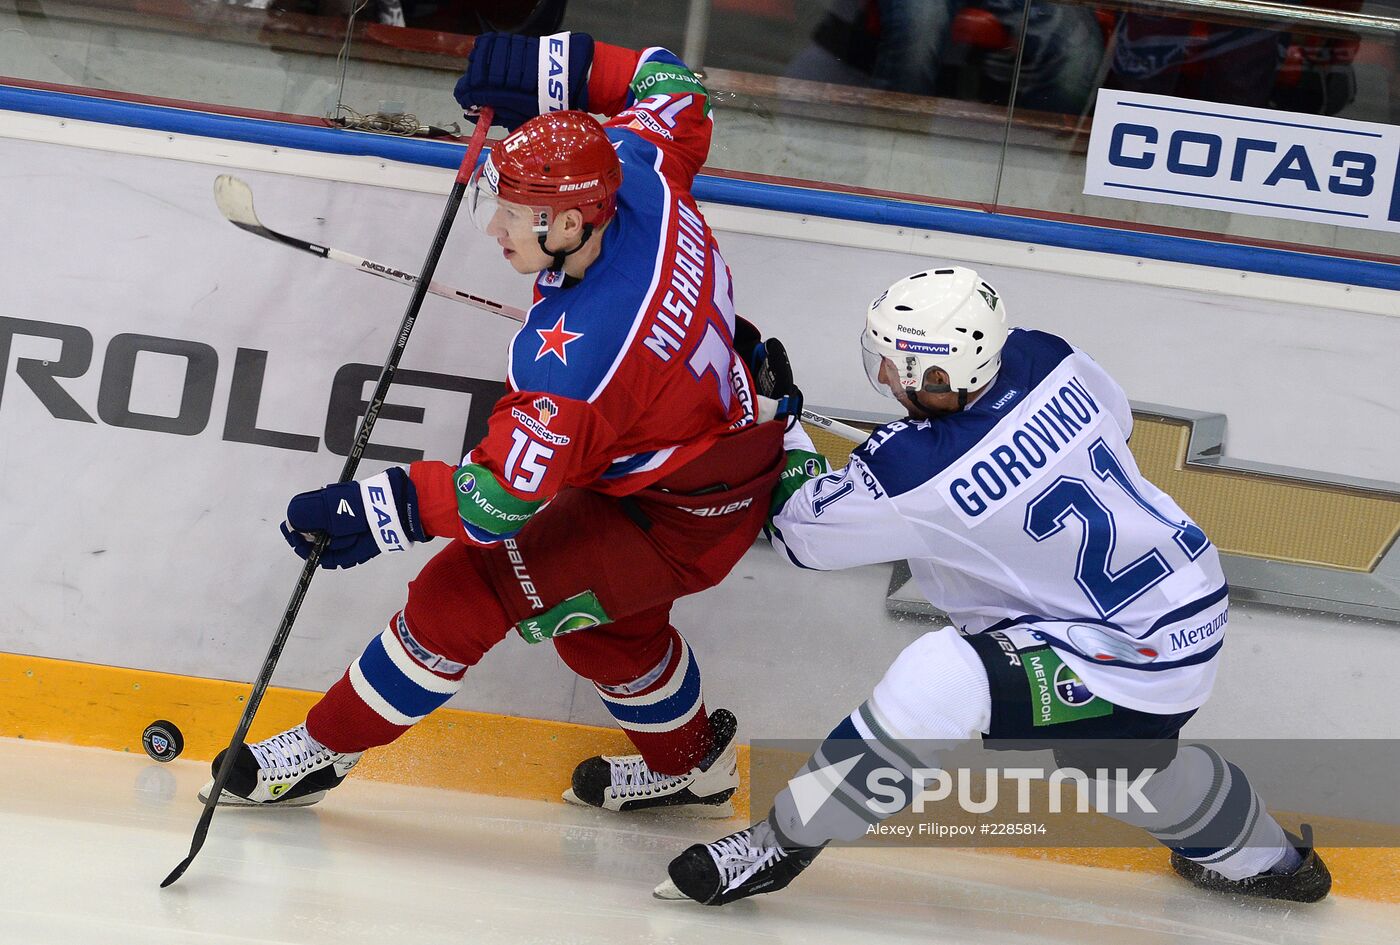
1080, 236
782, 197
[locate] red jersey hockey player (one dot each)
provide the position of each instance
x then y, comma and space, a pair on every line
623, 468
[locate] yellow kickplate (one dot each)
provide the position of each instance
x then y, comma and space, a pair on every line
109, 707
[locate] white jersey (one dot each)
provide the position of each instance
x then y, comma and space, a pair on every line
1027, 509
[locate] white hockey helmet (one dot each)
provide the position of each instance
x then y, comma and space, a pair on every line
944, 318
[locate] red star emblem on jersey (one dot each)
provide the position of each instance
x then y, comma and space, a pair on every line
555, 340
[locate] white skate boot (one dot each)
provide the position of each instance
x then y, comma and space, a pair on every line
290, 770
625, 783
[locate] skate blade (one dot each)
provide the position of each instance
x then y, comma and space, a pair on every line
699, 811
668, 891
229, 799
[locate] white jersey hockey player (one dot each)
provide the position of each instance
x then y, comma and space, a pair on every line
1087, 604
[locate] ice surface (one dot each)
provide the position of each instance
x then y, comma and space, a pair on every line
86, 836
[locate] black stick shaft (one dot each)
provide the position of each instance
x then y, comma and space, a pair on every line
347, 473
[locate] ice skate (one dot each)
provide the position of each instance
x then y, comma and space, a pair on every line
290, 770
1309, 882
748, 863
625, 783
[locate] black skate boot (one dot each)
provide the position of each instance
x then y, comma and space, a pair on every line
290, 770
1310, 882
743, 864
625, 783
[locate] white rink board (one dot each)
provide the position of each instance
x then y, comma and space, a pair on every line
159, 550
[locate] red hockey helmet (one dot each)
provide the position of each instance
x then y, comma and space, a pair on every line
554, 162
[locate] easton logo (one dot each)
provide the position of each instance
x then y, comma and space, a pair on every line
922, 347
372, 266
344, 508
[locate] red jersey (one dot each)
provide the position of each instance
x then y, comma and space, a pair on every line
624, 376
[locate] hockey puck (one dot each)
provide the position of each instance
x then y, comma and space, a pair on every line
162, 741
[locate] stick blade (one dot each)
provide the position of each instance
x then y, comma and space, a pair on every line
235, 200
178, 871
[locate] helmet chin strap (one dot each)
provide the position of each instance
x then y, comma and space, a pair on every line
946, 389
557, 257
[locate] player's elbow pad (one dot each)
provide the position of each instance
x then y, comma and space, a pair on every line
780, 544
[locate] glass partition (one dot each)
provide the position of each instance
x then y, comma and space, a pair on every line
983, 102
248, 55
1302, 64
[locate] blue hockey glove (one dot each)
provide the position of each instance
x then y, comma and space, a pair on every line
524, 76
362, 519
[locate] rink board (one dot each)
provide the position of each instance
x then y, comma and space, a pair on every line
168, 381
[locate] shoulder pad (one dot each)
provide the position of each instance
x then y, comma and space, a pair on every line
897, 454
905, 454
568, 344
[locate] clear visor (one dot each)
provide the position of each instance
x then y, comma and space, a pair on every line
879, 370
484, 204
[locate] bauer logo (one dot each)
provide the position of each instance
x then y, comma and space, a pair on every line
1160, 149
921, 347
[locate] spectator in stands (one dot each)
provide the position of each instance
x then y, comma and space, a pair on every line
1236, 65
471, 17
903, 46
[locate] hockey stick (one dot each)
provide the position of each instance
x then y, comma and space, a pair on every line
235, 200
352, 462
844, 430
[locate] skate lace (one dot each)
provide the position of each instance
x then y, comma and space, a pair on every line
290, 754
632, 778
741, 855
